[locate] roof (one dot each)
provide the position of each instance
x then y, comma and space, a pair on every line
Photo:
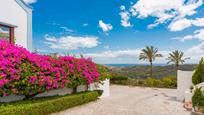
25, 6
6, 24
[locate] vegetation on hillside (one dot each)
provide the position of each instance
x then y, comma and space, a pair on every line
165, 82
142, 72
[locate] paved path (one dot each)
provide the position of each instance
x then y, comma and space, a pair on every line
126, 100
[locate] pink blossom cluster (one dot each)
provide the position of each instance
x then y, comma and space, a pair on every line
22, 72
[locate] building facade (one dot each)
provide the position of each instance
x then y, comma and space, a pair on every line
16, 22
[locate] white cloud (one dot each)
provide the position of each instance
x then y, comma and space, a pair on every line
198, 34
85, 24
30, 1
50, 39
115, 54
196, 52
198, 22
150, 26
71, 42
105, 27
165, 10
106, 47
66, 29
184, 23
188, 37
122, 7
180, 24
53, 24
125, 17
197, 49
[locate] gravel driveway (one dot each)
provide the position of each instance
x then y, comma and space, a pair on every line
126, 100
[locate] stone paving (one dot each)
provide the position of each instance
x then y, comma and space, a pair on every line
126, 100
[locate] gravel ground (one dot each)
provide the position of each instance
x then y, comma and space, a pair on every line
126, 100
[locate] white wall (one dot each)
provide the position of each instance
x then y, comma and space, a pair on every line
64, 91
105, 86
12, 13
184, 82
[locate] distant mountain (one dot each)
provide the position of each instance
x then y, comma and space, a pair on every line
142, 71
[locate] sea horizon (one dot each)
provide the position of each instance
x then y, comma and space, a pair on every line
130, 65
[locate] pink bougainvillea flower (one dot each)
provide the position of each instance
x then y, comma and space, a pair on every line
41, 72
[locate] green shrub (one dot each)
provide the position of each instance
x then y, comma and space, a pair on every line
198, 98
118, 76
104, 72
169, 82
198, 76
100, 92
47, 106
152, 82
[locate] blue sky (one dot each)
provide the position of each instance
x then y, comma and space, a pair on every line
114, 31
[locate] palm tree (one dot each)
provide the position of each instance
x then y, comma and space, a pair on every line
149, 53
176, 57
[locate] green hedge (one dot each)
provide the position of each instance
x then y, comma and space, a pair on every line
47, 106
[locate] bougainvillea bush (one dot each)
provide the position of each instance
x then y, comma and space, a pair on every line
25, 73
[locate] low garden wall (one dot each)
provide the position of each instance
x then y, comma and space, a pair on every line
184, 82
105, 86
62, 91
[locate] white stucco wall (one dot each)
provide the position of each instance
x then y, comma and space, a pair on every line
11, 98
63, 91
184, 82
12, 13
105, 87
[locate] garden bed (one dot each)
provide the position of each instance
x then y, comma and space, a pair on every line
48, 105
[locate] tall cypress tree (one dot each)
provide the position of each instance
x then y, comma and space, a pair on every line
198, 76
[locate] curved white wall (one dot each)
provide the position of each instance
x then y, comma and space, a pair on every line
105, 86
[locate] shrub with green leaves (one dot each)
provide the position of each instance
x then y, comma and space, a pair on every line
104, 72
169, 82
198, 98
45, 106
118, 76
198, 76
